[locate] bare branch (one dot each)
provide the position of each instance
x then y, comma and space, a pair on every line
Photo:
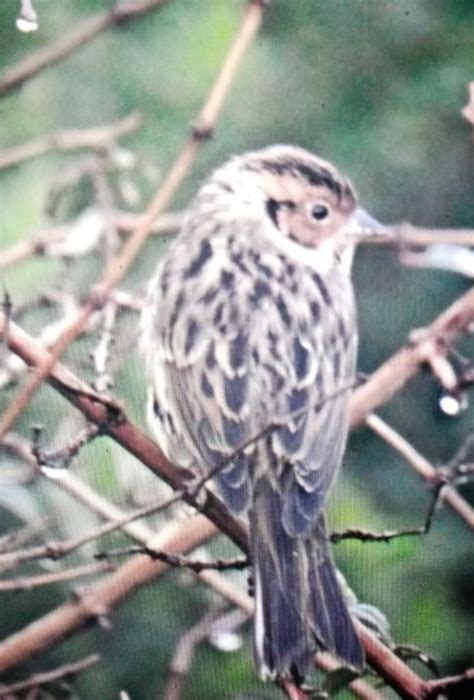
69, 140
102, 597
46, 242
422, 466
26, 583
117, 268
35, 63
388, 535
451, 688
58, 674
178, 561
65, 619
388, 379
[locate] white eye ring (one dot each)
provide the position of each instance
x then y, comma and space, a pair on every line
320, 211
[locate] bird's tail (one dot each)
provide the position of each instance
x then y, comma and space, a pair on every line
299, 606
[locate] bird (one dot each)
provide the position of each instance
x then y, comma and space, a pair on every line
249, 340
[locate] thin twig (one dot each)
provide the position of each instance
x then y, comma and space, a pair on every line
388, 535
54, 627
183, 657
206, 122
422, 466
58, 674
68, 140
43, 242
390, 377
99, 599
43, 58
178, 561
26, 583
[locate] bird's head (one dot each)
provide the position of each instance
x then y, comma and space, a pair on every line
305, 199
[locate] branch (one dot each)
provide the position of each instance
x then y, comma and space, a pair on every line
177, 560
392, 376
451, 688
422, 466
64, 620
45, 242
67, 140
26, 583
29, 67
119, 265
59, 674
98, 600
406, 235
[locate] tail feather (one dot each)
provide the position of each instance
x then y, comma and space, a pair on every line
298, 603
332, 622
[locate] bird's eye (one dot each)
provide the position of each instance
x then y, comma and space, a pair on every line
319, 212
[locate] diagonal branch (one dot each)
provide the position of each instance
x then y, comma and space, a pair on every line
422, 466
46, 677
35, 63
120, 264
68, 140
66, 619
432, 341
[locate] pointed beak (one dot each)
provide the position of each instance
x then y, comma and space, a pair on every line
363, 227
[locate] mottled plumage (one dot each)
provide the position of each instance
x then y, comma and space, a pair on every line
250, 321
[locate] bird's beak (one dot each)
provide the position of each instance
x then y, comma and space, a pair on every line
363, 227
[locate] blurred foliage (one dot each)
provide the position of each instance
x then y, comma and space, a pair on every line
375, 86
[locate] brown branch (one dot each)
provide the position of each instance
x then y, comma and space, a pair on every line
405, 235
43, 58
177, 560
98, 600
119, 265
26, 583
389, 667
422, 466
68, 140
388, 379
451, 688
103, 414
43, 242
186, 648
56, 625
58, 674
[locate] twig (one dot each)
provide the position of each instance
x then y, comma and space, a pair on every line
178, 561
14, 539
26, 583
388, 379
45, 57
388, 535
58, 674
205, 124
62, 621
183, 657
422, 466
42, 243
102, 597
67, 140
405, 235
451, 688
60, 459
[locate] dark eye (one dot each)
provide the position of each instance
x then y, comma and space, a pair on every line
319, 212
